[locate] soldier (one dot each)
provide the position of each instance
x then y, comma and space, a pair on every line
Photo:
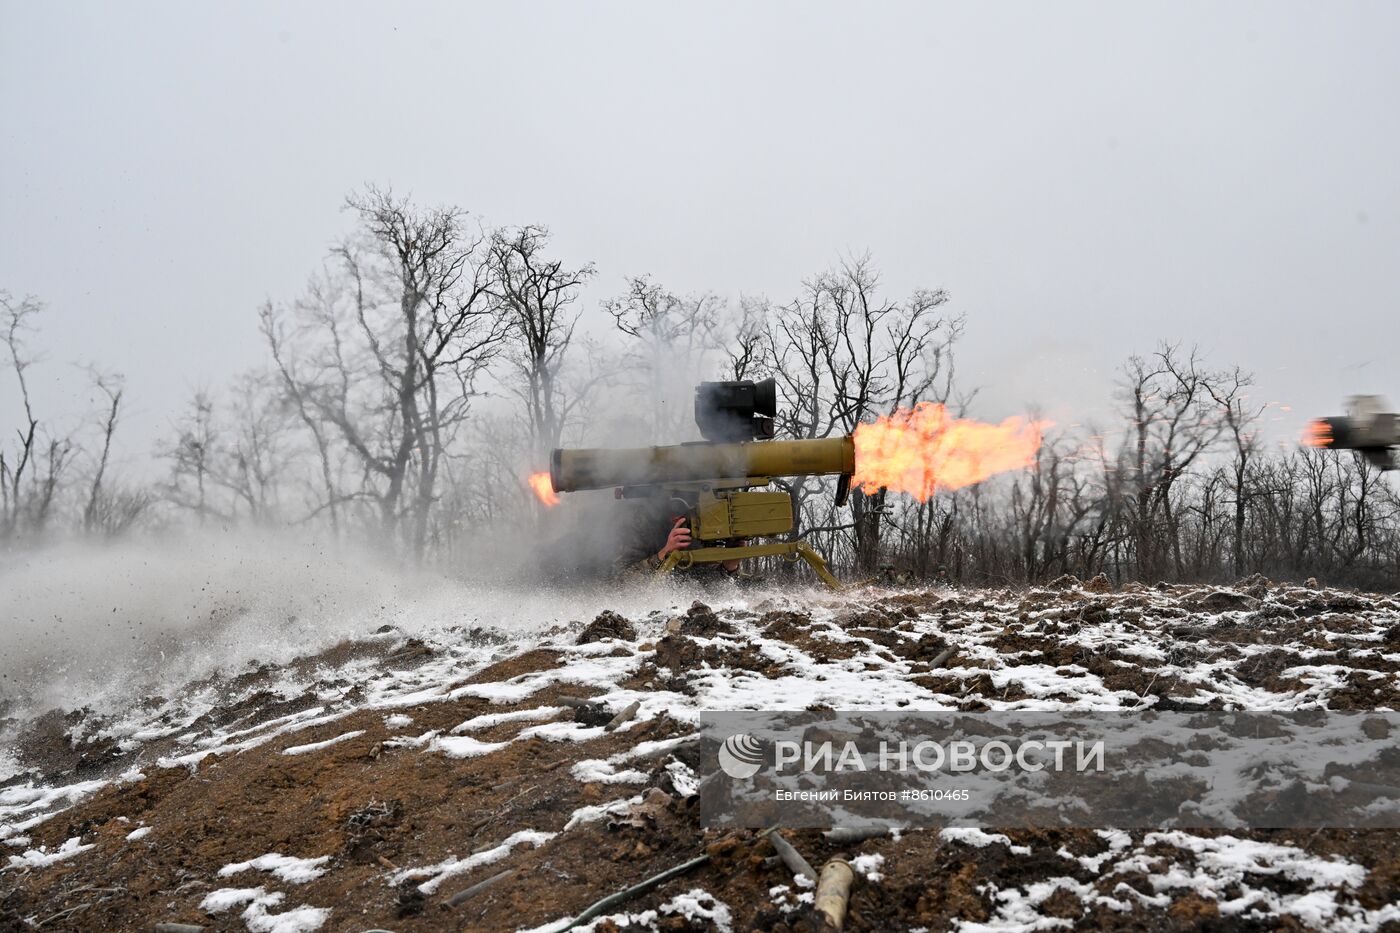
642, 558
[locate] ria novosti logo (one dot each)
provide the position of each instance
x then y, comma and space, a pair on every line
741, 755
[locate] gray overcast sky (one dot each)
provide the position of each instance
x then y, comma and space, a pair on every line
1083, 179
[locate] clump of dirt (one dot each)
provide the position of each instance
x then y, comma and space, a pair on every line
796, 629
608, 625
1265, 669
1099, 584
701, 620
677, 657
527, 662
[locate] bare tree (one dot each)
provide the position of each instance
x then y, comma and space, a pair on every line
192, 456
26, 508
671, 340
391, 345
110, 386
16, 322
1171, 423
537, 301
1241, 429
748, 343
844, 354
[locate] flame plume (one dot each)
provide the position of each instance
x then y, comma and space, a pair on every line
923, 449
1318, 434
543, 488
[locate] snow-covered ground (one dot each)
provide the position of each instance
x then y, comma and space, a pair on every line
1270, 648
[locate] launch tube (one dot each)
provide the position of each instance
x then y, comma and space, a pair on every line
598, 468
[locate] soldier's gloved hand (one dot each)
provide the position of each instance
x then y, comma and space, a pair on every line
678, 539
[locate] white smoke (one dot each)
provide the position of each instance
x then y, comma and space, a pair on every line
101, 627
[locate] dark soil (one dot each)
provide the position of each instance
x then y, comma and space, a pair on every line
375, 808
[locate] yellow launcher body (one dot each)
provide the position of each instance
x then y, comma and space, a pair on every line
599, 468
714, 481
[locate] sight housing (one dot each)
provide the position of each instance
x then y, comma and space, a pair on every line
740, 410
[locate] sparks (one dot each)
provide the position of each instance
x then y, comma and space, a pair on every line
924, 449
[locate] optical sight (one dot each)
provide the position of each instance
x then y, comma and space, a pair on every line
743, 410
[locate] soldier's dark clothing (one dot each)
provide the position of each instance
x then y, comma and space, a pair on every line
637, 559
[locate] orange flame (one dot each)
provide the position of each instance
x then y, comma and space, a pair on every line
544, 489
924, 449
1318, 434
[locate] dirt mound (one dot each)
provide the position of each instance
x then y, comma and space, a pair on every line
608, 625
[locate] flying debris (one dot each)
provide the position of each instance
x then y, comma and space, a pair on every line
1366, 427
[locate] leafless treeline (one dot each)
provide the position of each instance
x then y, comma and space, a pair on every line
431, 363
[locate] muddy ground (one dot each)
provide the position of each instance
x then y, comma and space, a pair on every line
569, 812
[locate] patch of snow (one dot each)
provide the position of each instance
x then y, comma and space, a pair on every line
317, 746
464, 746
869, 866
136, 834
487, 720
412, 741
577, 670
296, 920
1233, 873
696, 905
257, 917
699, 904
683, 778
216, 902
34, 803
41, 857
597, 771
286, 867
971, 836
448, 868
219, 744
593, 813
563, 732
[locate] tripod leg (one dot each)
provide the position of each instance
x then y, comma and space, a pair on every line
817, 564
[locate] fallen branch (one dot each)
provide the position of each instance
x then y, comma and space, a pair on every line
636, 890
77, 908
970, 684
642, 887
468, 893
